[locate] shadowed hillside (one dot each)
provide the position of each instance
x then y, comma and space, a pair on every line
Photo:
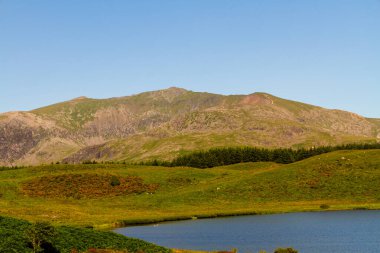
163, 124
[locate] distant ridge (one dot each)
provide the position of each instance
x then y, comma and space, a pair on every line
162, 124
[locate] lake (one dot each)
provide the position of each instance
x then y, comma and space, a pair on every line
309, 232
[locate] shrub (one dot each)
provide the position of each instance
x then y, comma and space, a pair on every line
287, 250
16, 236
40, 233
324, 206
115, 181
85, 185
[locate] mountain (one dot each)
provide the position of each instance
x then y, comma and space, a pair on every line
162, 124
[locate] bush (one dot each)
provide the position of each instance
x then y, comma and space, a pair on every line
85, 185
324, 206
17, 235
287, 250
115, 181
39, 234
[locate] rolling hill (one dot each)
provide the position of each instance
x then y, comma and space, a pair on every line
13, 234
163, 124
90, 195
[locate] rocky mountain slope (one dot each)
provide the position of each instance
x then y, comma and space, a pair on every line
162, 124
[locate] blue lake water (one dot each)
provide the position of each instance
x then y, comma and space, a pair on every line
314, 232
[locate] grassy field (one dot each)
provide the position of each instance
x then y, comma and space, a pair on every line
334, 181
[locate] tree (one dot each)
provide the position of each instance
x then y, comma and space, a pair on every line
40, 233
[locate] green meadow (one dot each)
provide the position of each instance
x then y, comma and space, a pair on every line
109, 195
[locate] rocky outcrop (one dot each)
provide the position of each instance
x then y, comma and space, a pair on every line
20, 133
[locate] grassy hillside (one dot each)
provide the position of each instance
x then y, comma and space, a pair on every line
338, 180
13, 234
144, 148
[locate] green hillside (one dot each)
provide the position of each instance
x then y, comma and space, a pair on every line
15, 237
337, 180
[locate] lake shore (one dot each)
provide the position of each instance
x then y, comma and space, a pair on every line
288, 209
308, 232
83, 195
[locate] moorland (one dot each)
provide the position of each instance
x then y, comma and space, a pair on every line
108, 195
88, 165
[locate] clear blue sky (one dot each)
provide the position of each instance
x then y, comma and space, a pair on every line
324, 52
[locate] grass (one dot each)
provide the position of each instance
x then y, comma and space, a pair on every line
75, 113
142, 148
334, 181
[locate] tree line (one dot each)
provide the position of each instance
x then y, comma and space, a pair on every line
233, 155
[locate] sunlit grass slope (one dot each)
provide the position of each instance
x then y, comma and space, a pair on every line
338, 180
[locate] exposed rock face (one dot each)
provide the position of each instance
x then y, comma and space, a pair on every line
14, 144
95, 152
20, 132
160, 124
111, 122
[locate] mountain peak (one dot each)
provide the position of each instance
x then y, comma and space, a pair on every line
80, 98
168, 94
173, 91
258, 98
174, 88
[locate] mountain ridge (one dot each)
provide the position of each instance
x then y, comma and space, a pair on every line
164, 123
